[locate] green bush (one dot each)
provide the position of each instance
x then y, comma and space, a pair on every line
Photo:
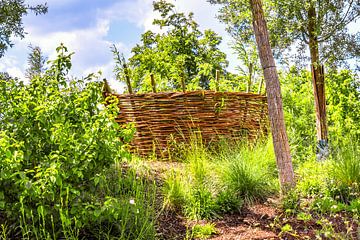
58, 145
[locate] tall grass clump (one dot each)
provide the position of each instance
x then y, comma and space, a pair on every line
248, 172
202, 187
221, 179
345, 171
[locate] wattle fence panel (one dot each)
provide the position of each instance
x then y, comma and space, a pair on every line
162, 118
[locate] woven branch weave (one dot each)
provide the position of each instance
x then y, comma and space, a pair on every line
161, 118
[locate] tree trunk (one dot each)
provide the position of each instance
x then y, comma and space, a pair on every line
318, 78
277, 123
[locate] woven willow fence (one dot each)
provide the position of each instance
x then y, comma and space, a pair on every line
164, 118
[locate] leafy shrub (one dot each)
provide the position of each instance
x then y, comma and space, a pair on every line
299, 112
343, 100
57, 146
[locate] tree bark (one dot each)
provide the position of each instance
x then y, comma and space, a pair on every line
318, 78
276, 115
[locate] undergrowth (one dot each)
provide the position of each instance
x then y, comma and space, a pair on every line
330, 186
60, 152
216, 182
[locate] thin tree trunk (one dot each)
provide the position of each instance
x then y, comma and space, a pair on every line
318, 78
277, 123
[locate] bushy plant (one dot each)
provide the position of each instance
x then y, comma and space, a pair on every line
57, 144
330, 186
313, 177
200, 202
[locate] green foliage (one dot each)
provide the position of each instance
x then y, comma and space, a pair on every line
12, 12
313, 177
173, 191
331, 186
288, 22
345, 171
58, 149
36, 62
343, 109
181, 52
343, 99
299, 112
200, 200
249, 172
220, 181
203, 231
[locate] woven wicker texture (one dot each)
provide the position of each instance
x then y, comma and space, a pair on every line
161, 118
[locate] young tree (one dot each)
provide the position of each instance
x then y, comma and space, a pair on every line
320, 26
248, 56
11, 14
181, 53
36, 62
281, 144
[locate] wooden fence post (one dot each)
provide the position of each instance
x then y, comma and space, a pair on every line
183, 82
127, 77
260, 85
153, 84
217, 77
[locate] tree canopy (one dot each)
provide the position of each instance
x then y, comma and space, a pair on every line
11, 16
181, 52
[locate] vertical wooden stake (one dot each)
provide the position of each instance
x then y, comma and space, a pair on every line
128, 82
260, 85
183, 82
153, 84
217, 77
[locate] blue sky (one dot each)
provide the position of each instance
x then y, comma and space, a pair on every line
90, 27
